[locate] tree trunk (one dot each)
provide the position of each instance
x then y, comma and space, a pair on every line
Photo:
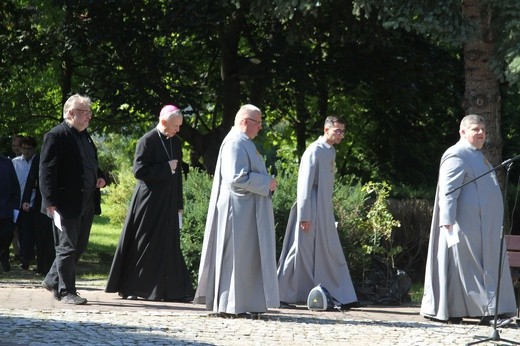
230, 73
482, 93
66, 59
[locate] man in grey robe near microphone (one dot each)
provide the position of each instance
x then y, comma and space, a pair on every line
463, 254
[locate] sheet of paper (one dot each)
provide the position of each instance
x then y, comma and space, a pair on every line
57, 219
452, 237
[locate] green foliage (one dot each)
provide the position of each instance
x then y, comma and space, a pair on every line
379, 226
349, 201
115, 153
115, 159
197, 191
118, 194
365, 225
284, 198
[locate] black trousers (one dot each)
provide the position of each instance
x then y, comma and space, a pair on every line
6, 237
70, 243
26, 234
44, 241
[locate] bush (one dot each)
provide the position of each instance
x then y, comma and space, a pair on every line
197, 191
358, 212
119, 193
415, 216
283, 200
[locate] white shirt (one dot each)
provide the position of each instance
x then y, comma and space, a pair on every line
22, 167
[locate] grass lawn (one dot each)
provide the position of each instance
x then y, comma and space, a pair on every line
94, 264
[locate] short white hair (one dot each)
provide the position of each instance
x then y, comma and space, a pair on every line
72, 101
244, 111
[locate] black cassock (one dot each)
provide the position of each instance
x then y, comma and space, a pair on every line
148, 262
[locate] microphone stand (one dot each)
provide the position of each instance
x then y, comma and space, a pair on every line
495, 335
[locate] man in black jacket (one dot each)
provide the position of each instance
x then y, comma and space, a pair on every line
70, 180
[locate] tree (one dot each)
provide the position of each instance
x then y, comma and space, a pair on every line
476, 26
299, 63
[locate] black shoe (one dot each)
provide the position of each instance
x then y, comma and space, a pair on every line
6, 266
54, 290
454, 320
253, 315
226, 315
181, 300
501, 321
24, 265
285, 305
348, 306
450, 320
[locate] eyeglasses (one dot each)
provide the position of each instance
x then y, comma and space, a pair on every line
84, 111
253, 120
339, 131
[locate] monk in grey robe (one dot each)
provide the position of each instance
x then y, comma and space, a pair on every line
463, 254
237, 273
312, 252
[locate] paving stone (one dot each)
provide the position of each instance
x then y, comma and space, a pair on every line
30, 316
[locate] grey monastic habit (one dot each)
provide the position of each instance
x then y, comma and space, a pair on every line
237, 271
314, 257
461, 280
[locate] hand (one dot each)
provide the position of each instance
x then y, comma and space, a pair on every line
25, 206
305, 226
100, 183
50, 210
448, 227
173, 165
272, 185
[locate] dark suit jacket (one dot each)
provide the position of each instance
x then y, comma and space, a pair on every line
61, 173
9, 188
33, 183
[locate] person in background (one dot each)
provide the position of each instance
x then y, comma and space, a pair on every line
39, 225
25, 223
70, 180
312, 253
462, 264
148, 262
9, 202
237, 273
16, 150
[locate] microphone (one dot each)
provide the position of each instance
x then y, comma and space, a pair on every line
508, 161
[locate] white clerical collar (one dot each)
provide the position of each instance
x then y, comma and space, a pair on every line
322, 139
